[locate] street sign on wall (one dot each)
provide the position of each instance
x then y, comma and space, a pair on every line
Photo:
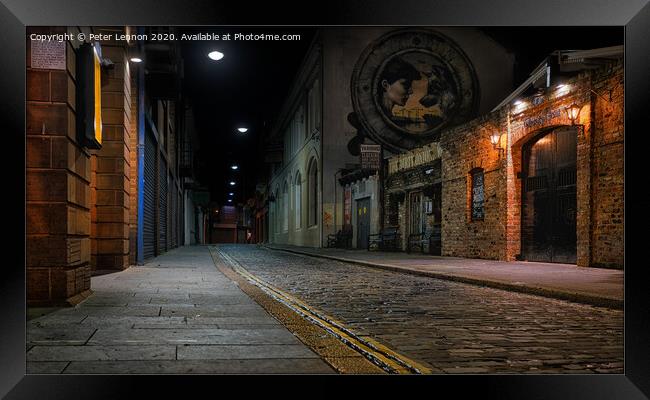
370, 156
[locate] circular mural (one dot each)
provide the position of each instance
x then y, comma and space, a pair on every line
409, 84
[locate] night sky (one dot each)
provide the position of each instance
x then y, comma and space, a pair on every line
248, 86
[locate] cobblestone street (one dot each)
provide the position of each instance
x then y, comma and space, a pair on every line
450, 327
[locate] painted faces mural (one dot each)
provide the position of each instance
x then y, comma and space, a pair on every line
416, 93
408, 85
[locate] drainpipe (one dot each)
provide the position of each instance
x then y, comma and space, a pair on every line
141, 133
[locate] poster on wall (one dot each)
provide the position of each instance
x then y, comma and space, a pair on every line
347, 206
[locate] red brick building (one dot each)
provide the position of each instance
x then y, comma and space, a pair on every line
526, 181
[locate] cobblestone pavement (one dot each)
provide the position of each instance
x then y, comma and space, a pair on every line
451, 327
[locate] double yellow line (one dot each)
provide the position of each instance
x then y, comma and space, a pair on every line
382, 356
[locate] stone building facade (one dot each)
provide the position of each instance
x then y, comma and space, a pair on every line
82, 201
335, 59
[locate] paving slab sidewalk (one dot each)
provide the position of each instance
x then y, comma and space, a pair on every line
595, 286
175, 315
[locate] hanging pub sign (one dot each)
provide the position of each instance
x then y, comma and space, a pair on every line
370, 156
89, 96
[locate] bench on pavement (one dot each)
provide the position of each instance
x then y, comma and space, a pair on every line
388, 239
430, 238
341, 239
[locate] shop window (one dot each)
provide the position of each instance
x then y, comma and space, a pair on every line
477, 194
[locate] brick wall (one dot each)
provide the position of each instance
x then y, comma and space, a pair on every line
133, 164
600, 178
607, 173
465, 149
57, 184
111, 164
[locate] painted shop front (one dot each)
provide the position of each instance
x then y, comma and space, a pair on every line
540, 178
413, 198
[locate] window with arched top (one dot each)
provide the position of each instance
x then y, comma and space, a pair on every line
298, 200
312, 192
276, 212
477, 194
285, 207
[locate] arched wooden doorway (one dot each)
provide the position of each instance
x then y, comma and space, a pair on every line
549, 201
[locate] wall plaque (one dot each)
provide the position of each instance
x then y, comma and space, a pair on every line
48, 54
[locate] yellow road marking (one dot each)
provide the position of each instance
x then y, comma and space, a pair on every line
379, 354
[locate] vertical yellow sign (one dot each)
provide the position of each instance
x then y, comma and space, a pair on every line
98, 97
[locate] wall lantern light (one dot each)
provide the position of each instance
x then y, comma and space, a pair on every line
495, 139
573, 111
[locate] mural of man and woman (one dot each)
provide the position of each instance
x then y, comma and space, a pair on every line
437, 94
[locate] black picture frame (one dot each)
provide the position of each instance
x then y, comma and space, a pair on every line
634, 15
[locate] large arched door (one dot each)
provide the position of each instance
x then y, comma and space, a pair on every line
549, 197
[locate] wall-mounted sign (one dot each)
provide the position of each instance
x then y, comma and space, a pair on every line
89, 95
414, 158
542, 119
477, 195
409, 84
48, 54
370, 156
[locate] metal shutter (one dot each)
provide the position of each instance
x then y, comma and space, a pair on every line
177, 215
149, 221
172, 214
162, 232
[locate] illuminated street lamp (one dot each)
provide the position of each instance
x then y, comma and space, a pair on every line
573, 111
494, 139
215, 55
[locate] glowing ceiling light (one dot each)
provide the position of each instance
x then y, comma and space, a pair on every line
234, 167
136, 60
232, 183
242, 130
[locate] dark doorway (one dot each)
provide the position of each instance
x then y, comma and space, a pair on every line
548, 231
415, 213
435, 239
363, 222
